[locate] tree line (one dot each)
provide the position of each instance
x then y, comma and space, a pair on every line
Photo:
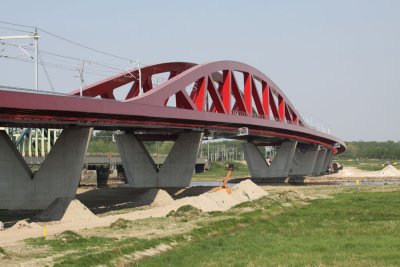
102, 143
372, 150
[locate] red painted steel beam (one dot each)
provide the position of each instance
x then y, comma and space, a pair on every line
226, 90
199, 95
239, 104
256, 98
265, 98
248, 98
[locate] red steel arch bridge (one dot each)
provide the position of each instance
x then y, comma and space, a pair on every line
224, 99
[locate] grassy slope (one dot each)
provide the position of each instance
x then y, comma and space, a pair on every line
355, 229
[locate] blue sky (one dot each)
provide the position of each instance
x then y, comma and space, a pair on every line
338, 61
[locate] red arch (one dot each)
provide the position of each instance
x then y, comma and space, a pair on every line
263, 107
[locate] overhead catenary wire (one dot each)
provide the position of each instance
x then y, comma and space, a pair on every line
12, 29
46, 72
58, 66
81, 45
131, 61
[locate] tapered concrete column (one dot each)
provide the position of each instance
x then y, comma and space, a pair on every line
58, 176
327, 160
280, 165
320, 161
304, 161
176, 171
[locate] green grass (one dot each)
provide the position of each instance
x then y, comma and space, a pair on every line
370, 167
218, 170
94, 250
353, 229
2, 251
121, 224
186, 210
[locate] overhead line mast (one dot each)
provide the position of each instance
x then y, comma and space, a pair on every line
35, 36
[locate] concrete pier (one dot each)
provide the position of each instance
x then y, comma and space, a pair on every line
142, 172
318, 167
304, 161
58, 176
327, 160
280, 165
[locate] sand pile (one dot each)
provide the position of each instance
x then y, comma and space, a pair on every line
353, 172
65, 210
389, 171
202, 202
25, 225
155, 198
221, 200
247, 191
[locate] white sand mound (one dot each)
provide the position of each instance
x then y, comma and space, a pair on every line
156, 198
25, 225
64, 209
353, 172
221, 200
201, 202
389, 171
77, 211
247, 191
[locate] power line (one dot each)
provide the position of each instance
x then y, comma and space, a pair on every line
87, 47
81, 45
70, 41
53, 65
11, 29
19, 25
46, 72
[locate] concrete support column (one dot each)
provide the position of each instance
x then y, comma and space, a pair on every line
304, 161
280, 165
319, 161
58, 176
176, 171
327, 160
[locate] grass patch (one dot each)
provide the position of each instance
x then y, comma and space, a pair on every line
353, 229
186, 210
2, 251
120, 224
69, 240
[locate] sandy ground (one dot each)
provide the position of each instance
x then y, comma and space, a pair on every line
150, 220
95, 209
78, 217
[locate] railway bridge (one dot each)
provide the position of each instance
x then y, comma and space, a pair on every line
224, 99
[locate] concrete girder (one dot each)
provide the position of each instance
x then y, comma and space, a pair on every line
58, 176
142, 172
280, 165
